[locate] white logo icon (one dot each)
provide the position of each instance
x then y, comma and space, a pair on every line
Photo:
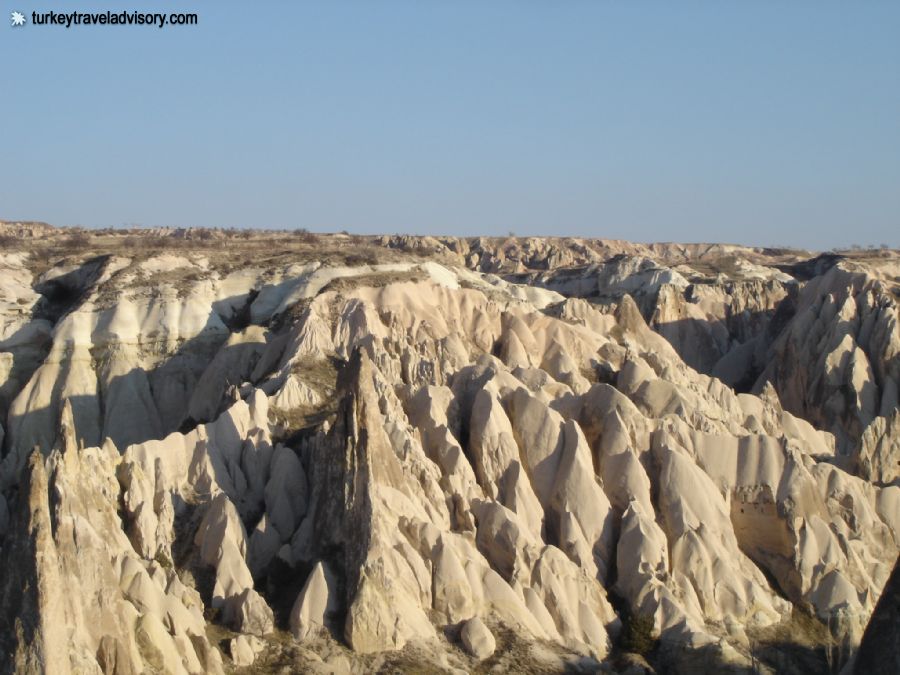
17, 19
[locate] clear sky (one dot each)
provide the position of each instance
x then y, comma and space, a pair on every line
757, 122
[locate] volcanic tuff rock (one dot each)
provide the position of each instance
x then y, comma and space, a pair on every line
367, 454
879, 652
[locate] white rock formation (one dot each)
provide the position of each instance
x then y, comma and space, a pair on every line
390, 453
315, 602
478, 639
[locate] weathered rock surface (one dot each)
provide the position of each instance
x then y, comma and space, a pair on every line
478, 639
316, 601
415, 456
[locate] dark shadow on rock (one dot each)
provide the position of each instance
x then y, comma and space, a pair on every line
157, 398
19, 588
63, 293
879, 651
28, 348
807, 269
790, 658
706, 345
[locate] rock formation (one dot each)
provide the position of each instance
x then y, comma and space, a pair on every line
366, 453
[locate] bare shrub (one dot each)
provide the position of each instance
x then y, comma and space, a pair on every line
76, 240
305, 236
637, 634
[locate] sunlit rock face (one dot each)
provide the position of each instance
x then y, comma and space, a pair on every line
326, 453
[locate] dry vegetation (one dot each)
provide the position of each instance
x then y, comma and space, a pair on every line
320, 375
801, 639
375, 280
225, 249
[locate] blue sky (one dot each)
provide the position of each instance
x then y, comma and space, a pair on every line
767, 123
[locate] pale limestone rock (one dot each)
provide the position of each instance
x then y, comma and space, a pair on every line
244, 649
879, 453
575, 601
451, 588
222, 545
241, 652
295, 393
501, 539
157, 647
248, 613
703, 545
478, 639
497, 461
494, 446
147, 622
265, 542
232, 364
286, 492
316, 600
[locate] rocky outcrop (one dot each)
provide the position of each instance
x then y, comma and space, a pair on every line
879, 451
478, 639
836, 363
76, 596
414, 458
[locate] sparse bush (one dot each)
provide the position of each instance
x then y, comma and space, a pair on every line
361, 258
637, 634
77, 240
305, 236
163, 560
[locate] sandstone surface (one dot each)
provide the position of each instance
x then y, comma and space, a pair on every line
354, 454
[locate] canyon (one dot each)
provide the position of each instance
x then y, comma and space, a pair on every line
250, 451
